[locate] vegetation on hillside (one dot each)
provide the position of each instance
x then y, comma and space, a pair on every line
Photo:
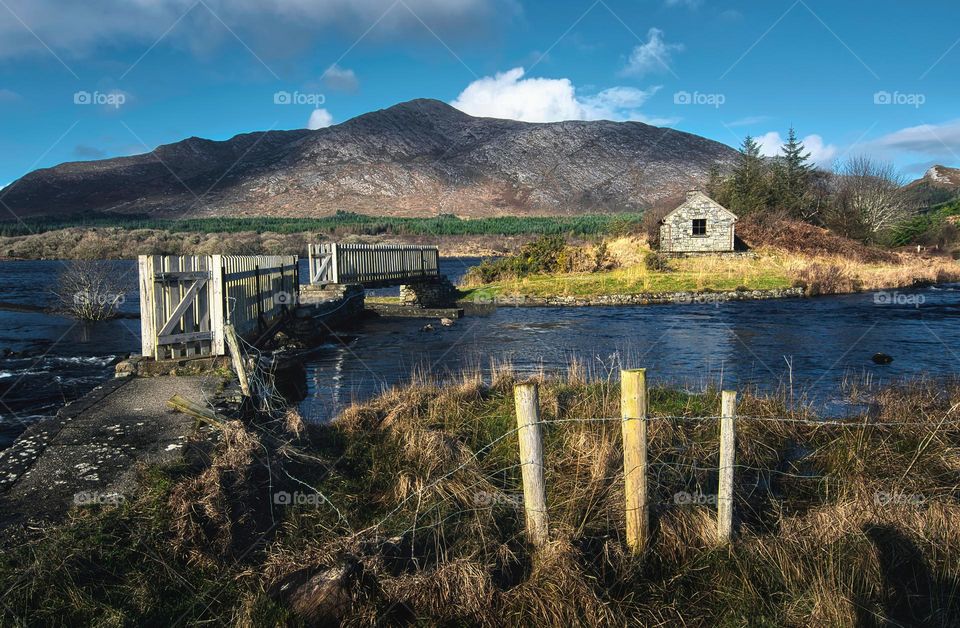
860, 198
341, 223
939, 227
414, 519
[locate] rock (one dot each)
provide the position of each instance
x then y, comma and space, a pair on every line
447, 322
322, 598
427, 327
125, 368
881, 358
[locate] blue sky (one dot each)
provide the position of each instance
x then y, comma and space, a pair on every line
103, 78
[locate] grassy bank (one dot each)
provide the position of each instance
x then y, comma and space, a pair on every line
414, 519
683, 275
628, 266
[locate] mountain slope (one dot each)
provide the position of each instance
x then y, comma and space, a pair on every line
416, 158
938, 184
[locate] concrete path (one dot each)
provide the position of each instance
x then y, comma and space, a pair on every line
89, 450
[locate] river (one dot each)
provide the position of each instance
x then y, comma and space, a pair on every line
815, 343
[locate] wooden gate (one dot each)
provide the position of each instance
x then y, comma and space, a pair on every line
185, 301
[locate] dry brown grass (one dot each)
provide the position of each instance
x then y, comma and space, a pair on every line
203, 507
808, 549
406, 540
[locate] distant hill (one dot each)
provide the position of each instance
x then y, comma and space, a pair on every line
938, 184
417, 158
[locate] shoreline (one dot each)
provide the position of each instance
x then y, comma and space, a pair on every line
644, 298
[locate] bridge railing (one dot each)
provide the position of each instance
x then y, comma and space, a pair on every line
372, 264
186, 300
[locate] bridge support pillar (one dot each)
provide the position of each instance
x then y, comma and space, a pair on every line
433, 292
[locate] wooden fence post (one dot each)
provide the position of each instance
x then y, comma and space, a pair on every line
728, 454
527, 400
237, 359
633, 412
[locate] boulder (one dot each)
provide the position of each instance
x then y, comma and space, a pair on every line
881, 358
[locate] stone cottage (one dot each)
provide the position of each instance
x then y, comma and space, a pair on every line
699, 225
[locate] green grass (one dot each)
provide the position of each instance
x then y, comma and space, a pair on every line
690, 275
345, 223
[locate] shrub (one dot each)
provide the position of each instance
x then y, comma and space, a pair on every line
657, 262
546, 254
90, 290
817, 279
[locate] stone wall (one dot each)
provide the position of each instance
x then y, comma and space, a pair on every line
647, 298
431, 293
676, 232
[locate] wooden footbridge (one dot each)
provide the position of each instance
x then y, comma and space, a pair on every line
373, 266
186, 302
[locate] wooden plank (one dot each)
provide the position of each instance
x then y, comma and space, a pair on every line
186, 301
170, 339
145, 282
237, 358
183, 275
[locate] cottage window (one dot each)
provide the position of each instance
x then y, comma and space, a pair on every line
699, 226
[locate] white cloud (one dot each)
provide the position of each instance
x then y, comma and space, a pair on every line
80, 27
938, 141
821, 153
7, 95
691, 4
343, 79
652, 56
319, 119
509, 95
748, 121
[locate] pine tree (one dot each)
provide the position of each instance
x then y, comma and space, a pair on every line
750, 190
793, 176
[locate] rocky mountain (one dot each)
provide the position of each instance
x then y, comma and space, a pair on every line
937, 185
421, 157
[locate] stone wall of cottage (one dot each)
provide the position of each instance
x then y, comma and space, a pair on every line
676, 234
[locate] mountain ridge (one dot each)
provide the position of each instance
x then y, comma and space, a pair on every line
416, 158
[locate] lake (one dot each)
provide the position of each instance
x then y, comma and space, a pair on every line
821, 341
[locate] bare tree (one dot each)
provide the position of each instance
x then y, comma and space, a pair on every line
90, 289
869, 199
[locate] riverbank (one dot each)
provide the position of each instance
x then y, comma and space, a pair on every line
642, 298
405, 509
764, 273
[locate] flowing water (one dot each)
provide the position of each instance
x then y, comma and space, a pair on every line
813, 343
